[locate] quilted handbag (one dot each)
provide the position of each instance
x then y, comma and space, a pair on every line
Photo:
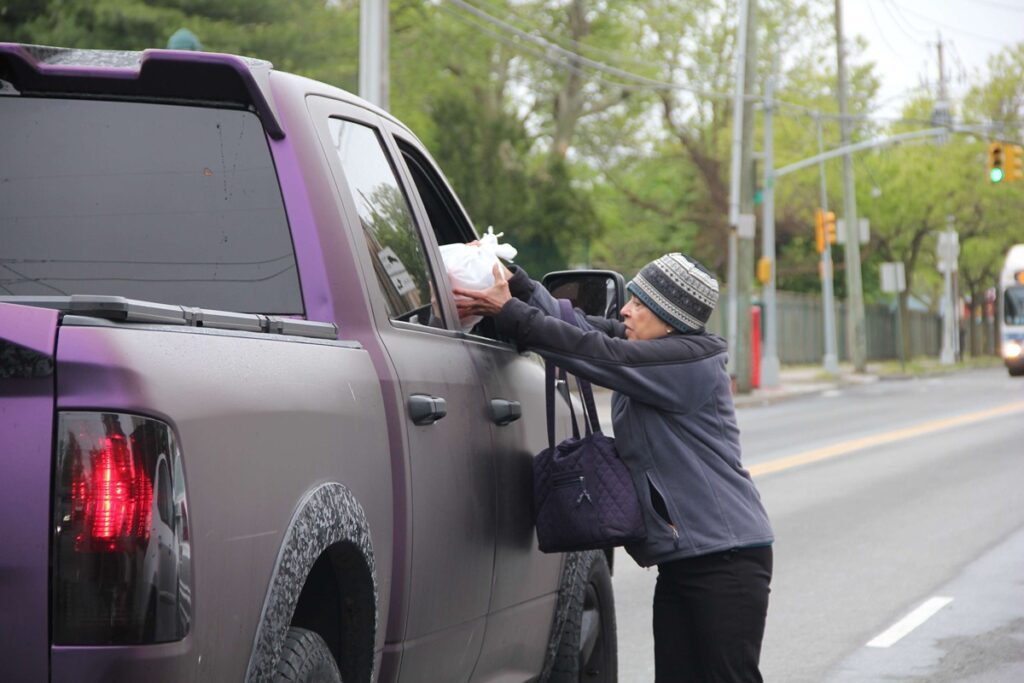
583, 494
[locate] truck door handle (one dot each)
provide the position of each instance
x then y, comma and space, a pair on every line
505, 412
426, 410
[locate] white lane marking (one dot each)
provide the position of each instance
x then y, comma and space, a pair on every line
908, 623
831, 393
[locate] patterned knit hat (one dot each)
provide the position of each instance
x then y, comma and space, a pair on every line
678, 289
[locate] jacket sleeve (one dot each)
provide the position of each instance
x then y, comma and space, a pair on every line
661, 372
535, 294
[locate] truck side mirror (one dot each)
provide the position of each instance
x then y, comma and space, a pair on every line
595, 292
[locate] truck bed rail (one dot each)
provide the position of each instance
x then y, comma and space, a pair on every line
122, 309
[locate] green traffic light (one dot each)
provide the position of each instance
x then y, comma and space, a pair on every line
996, 175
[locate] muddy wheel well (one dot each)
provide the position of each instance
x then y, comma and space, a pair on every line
337, 602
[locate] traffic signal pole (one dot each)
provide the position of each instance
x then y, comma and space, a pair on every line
735, 174
770, 356
746, 228
831, 359
856, 329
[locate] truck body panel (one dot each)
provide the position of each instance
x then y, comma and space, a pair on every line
261, 421
27, 342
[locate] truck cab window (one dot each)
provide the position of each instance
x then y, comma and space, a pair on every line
399, 260
446, 217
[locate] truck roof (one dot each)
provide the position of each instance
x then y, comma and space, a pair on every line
170, 75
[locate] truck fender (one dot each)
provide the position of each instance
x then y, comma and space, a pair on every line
327, 515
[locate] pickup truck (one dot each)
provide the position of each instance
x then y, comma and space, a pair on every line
243, 435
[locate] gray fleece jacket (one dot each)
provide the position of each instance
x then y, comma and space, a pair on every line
675, 426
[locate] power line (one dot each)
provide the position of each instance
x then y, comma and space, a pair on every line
1000, 5
567, 59
874, 19
574, 45
951, 27
651, 83
545, 56
899, 21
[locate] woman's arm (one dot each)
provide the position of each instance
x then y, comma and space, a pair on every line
530, 292
662, 372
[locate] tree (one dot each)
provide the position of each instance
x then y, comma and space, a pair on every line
307, 37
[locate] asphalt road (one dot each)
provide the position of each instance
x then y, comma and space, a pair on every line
898, 510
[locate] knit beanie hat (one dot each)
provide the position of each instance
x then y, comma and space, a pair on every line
678, 289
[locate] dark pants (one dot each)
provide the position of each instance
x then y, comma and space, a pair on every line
709, 615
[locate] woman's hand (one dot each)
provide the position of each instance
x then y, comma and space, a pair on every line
484, 301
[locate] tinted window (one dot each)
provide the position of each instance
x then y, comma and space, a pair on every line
446, 219
391, 235
1014, 305
162, 202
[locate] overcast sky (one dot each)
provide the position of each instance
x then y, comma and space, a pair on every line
902, 37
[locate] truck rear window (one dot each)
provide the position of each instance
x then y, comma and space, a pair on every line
168, 203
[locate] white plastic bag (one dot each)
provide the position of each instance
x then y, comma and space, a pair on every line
471, 266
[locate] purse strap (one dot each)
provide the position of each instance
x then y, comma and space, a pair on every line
591, 422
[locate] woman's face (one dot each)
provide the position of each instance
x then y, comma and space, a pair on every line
641, 322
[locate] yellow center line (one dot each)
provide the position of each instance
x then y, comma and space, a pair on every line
846, 447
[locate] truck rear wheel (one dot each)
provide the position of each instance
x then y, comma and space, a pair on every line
305, 658
588, 649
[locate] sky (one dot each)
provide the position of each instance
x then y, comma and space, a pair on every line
902, 37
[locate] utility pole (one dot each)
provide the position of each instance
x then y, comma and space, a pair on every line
735, 174
941, 115
856, 330
373, 52
745, 225
831, 360
770, 357
949, 252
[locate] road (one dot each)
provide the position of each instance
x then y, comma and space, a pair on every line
885, 498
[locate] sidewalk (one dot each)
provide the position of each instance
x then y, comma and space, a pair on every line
805, 380
801, 380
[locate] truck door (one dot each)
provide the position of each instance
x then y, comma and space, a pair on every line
444, 529
525, 580
27, 348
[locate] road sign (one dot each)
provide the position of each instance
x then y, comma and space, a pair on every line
948, 251
746, 226
894, 279
865, 230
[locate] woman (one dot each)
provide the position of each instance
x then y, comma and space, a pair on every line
675, 429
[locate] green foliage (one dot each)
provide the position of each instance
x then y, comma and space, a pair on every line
487, 158
302, 36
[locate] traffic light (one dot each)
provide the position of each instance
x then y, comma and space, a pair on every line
764, 270
819, 230
824, 228
1012, 162
995, 162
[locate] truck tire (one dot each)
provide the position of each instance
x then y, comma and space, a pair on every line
305, 658
588, 650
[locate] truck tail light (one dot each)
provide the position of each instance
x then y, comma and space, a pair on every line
121, 554
111, 498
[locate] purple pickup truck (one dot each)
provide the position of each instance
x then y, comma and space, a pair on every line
242, 436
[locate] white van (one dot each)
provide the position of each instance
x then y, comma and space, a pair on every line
1011, 304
